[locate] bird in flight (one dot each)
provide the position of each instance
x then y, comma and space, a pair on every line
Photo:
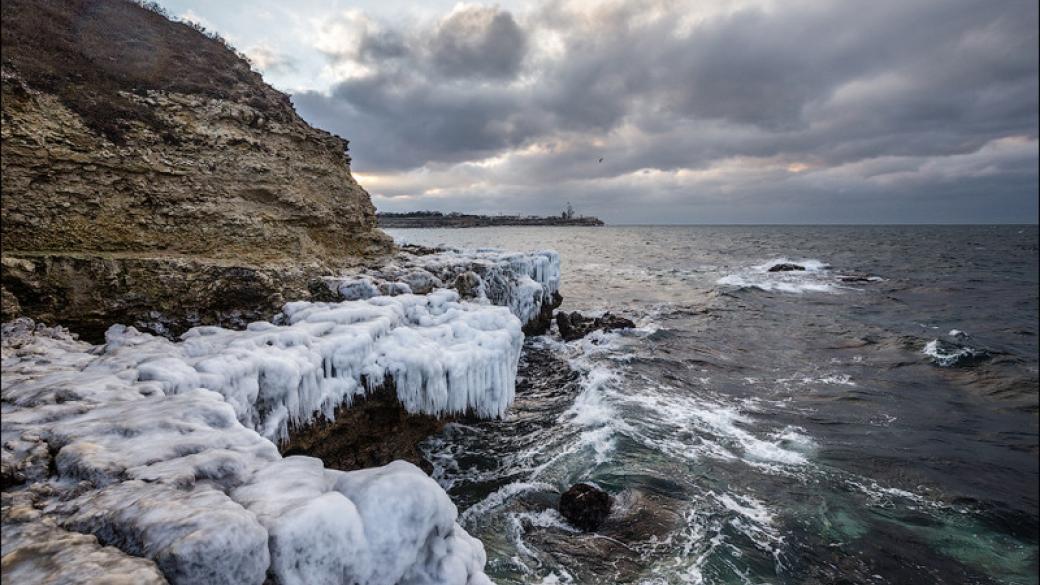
601, 160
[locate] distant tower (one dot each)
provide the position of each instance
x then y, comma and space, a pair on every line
569, 212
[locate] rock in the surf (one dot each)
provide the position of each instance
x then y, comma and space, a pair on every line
585, 506
574, 325
786, 267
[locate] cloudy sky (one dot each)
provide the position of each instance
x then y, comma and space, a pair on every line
726, 111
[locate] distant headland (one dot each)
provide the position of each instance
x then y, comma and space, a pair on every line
437, 219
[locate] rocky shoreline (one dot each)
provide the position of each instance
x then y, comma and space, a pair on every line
216, 369
356, 383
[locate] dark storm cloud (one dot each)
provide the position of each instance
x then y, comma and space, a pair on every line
478, 42
646, 87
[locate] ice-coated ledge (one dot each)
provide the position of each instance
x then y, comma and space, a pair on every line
523, 282
161, 449
148, 459
443, 355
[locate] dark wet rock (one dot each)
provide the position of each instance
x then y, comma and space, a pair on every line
10, 308
948, 354
372, 431
585, 506
786, 267
574, 325
540, 324
613, 553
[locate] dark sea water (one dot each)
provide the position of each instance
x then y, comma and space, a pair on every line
771, 428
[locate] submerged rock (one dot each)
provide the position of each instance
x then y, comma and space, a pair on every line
574, 325
585, 506
786, 267
947, 354
614, 553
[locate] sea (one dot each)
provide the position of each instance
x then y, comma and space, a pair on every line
870, 419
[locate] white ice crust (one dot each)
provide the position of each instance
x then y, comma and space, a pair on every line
523, 282
443, 355
164, 449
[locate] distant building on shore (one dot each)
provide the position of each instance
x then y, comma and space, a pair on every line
454, 219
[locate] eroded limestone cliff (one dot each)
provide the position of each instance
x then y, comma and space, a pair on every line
151, 177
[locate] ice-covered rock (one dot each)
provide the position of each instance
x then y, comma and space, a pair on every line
159, 447
526, 283
443, 355
356, 289
194, 536
40, 552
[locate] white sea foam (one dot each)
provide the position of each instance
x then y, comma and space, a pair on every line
501, 495
816, 277
591, 408
548, 518
827, 379
946, 354
754, 520
720, 431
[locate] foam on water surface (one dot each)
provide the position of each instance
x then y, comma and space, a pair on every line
946, 354
816, 276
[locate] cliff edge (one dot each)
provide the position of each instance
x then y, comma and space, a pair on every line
151, 177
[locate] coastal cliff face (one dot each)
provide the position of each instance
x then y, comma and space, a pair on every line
139, 154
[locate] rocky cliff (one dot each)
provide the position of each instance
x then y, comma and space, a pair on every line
151, 177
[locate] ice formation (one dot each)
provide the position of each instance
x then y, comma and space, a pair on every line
443, 355
152, 459
158, 448
526, 283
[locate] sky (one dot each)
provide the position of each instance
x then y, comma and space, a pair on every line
654, 111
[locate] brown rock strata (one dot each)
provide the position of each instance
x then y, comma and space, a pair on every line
147, 169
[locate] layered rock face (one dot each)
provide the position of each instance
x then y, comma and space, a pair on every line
138, 152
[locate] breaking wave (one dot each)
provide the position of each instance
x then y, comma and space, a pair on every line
810, 276
946, 354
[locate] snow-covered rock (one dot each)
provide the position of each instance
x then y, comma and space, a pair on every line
44, 553
523, 282
158, 448
443, 355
